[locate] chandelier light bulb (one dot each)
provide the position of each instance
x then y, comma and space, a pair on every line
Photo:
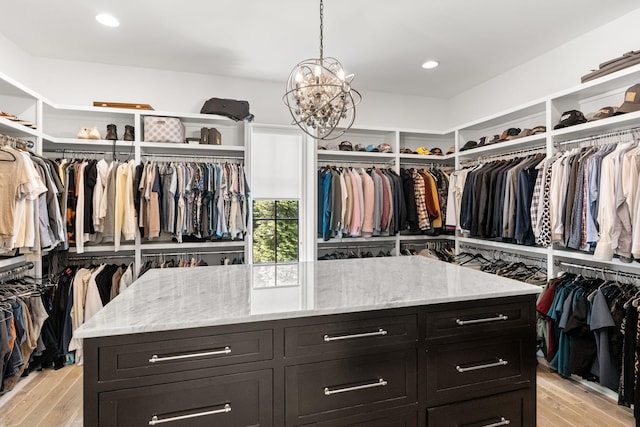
341, 74
317, 71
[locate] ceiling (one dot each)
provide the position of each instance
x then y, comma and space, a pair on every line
383, 43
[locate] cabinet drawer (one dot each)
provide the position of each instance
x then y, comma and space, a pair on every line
344, 387
349, 335
513, 409
475, 368
477, 318
230, 400
401, 420
174, 355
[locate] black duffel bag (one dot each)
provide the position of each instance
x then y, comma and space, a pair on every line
232, 108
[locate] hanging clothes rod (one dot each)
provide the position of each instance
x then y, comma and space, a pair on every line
97, 257
7, 139
196, 157
505, 156
187, 253
602, 270
16, 270
75, 153
363, 164
356, 246
634, 132
542, 257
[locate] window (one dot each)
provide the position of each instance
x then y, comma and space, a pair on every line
275, 231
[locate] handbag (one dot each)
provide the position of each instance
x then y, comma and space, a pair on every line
234, 109
163, 129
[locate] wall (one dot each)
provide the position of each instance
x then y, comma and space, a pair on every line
81, 83
556, 70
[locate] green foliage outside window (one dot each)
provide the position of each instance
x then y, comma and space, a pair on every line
275, 231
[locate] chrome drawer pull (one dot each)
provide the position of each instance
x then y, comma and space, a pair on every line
486, 319
155, 358
503, 422
379, 332
500, 362
155, 420
381, 383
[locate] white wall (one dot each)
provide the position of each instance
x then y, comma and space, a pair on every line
558, 69
81, 83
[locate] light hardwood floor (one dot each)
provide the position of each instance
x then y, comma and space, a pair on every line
54, 399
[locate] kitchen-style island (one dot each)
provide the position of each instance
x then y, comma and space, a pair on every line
400, 341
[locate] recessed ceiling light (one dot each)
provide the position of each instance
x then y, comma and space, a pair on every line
430, 64
108, 20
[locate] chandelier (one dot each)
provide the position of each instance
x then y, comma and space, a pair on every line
319, 95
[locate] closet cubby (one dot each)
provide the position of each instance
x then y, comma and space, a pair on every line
364, 137
607, 91
414, 140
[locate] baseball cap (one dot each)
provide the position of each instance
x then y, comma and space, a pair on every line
384, 148
345, 146
573, 117
509, 133
406, 151
451, 150
422, 150
538, 129
496, 138
631, 100
360, 147
603, 113
372, 148
522, 134
469, 145
436, 152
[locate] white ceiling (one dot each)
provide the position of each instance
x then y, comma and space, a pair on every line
383, 43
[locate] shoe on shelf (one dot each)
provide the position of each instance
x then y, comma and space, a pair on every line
128, 133
94, 133
112, 134
83, 133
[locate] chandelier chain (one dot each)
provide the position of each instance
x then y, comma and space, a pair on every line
321, 28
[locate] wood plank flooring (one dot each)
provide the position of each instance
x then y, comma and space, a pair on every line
54, 399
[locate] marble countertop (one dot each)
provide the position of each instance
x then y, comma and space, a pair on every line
167, 299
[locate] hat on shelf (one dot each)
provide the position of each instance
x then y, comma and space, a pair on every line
451, 150
436, 152
507, 134
538, 129
372, 148
423, 150
602, 113
321, 147
345, 146
494, 139
406, 151
469, 145
570, 118
631, 100
384, 148
522, 134
360, 147
483, 140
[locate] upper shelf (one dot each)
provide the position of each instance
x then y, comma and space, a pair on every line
599, 127
533, 141
355, 156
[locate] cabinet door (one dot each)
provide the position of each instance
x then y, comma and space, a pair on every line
509, 409
476, 368
182, 354
351, 386
400, 420
338, 336
230, 400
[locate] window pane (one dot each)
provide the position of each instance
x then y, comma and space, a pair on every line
263, 208
264, 241
287, 209
287, 242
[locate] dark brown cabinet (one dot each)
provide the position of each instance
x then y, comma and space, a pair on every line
464, 363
